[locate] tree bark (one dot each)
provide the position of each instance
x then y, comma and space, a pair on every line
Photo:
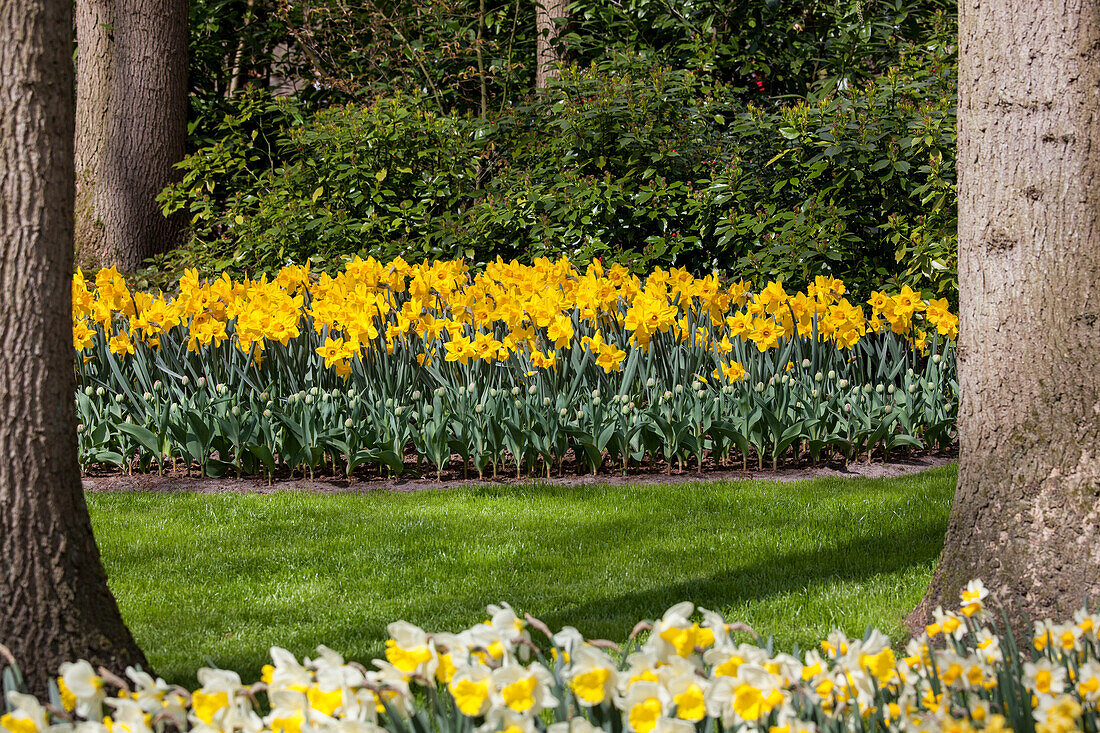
131, 130
54, 601
1026, 516
548, 18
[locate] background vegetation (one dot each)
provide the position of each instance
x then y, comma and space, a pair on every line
767, 139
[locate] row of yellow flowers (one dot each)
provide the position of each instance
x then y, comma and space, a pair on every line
507, 308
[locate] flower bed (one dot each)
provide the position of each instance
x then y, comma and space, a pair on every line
692, 672
512, 369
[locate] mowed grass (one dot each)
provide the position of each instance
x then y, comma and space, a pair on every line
218, 579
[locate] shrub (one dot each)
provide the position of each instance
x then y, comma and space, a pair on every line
619, 161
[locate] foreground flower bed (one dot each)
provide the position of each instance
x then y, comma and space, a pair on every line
510, 369
686, 672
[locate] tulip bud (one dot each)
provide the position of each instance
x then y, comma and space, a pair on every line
532, 389
818, 377
515, 391
100, 391
348, 423
880, 388
416, 394
201, 382
832, 374
805, 363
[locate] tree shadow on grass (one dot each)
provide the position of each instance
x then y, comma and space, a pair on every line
856, 560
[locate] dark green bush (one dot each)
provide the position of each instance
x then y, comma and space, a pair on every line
619, 160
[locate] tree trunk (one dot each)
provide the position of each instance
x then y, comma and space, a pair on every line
54, 601
131, 112
1026, 516
548, 17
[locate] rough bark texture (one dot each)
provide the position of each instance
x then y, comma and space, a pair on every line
54, 600
548, 15
1025, 517
131, 129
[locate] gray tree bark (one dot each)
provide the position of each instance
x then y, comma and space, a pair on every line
549, 15
54, 601
1026, 516
131, 130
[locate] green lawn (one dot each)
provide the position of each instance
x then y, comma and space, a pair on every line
204, 578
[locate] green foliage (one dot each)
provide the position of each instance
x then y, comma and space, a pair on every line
621, 159
859, 183
391, 178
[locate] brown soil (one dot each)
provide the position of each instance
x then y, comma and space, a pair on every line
178, 482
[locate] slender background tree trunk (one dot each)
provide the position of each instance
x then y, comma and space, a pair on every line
548, 16
1026, 517
131, 128
54, 601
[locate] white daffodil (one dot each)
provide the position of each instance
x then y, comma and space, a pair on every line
756, 692
469, 686
27, 715
1044, 678
213, 699
591, 675
522, 689
640, 667
81, 690
724, 661
643, 705
675, 635
285, 672
568, 640
409, 649
688, 692
126, 716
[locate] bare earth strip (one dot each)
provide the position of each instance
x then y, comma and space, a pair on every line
173, 484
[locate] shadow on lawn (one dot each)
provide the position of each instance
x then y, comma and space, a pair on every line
858, 559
